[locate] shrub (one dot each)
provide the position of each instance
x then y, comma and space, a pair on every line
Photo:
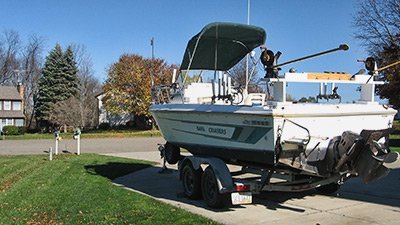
10, 130
104, 126
22, 130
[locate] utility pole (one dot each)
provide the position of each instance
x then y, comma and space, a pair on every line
152, 57
152, 71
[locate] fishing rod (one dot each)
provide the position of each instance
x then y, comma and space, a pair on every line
371, 66
270, 60
343, 47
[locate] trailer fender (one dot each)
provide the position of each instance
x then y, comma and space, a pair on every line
221, 171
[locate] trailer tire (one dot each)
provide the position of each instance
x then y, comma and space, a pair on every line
210, 190
172, 153
328, 189
191, 181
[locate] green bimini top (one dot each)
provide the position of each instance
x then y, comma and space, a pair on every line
220, 46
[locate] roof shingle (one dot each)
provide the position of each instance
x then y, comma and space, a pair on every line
9, 93
11, 114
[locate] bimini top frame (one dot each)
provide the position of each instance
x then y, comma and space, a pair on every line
219, 46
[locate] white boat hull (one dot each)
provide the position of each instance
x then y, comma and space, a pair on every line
247, 135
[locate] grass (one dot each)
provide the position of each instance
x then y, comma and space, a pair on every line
394, 140
78, 190
92, 134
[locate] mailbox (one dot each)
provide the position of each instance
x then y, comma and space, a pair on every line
57, 135
77, 133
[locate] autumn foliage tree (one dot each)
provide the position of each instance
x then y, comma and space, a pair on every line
128, 86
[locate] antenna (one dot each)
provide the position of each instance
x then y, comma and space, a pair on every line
247, 56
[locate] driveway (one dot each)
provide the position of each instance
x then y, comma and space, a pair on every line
355, 203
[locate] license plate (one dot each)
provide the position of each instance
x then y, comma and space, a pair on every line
239, 198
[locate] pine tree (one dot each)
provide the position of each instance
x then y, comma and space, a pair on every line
71, 71
58, 83
48, 84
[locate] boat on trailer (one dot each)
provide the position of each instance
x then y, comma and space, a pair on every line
308, 145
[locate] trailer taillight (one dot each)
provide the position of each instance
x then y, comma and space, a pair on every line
242, 187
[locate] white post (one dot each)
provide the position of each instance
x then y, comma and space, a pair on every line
229, 85
321, 88
51, 153
56, 148
213, 87
174, 76
78, 145
224, 84
367, 92
219, 82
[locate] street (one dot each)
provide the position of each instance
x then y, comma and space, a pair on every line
97, 145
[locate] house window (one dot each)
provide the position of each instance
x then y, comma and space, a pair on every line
1, 106
19, 122
16, 105
10, 122
6, 122
7, 105
2, 123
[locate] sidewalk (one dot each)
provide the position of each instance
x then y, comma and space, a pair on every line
355, 203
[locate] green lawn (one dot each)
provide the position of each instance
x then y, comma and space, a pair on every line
92, 134
394, 142
78, 190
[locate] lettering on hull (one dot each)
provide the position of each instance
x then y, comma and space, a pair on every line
215, 131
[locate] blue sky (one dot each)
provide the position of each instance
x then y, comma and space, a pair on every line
111, 28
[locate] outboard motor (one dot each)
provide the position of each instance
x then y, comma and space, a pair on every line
362, 155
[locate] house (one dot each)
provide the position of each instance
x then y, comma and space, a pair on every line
11, 106
112, 119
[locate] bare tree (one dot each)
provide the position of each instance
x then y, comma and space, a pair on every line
66, 114
90, 86
31, 61
378, 24
378, 27
9, 46
238, 73
23, 64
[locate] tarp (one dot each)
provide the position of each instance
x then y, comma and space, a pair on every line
220, 46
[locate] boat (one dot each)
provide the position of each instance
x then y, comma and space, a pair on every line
218, 119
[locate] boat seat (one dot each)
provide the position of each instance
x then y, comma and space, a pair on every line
255, 99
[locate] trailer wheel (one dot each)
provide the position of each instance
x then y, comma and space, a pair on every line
191, 180
328, 189
172, 153
210, 190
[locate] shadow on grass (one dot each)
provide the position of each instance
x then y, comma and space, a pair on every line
114, 170
394, 142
